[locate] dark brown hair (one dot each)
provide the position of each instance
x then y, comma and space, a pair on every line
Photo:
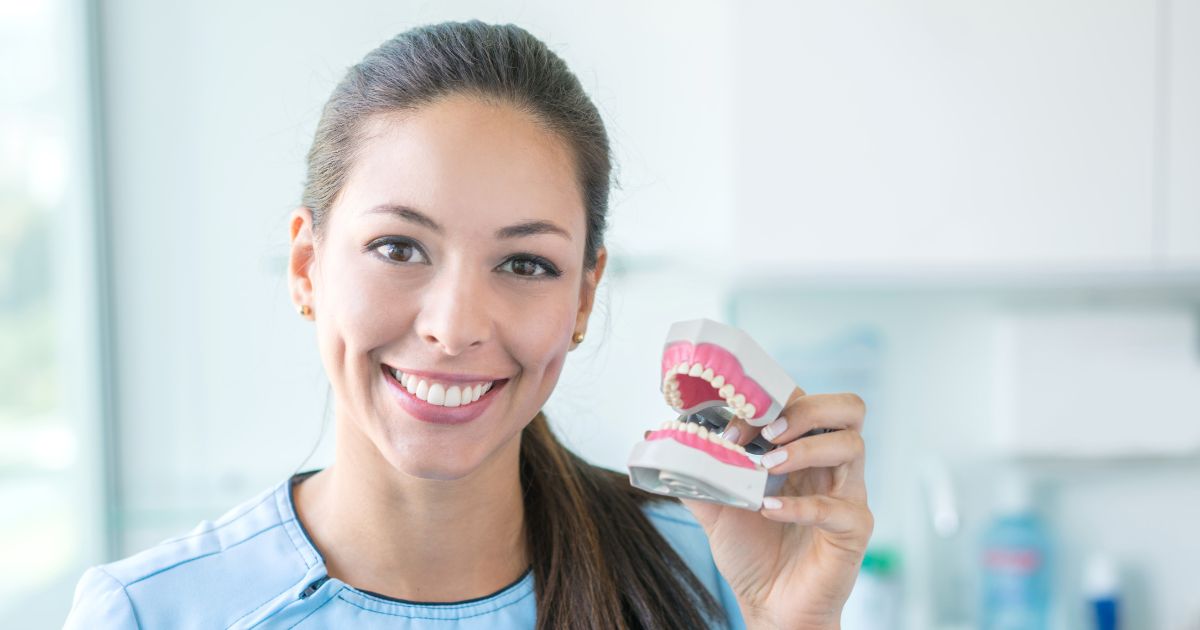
598, 561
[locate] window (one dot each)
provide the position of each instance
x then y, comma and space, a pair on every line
52, 449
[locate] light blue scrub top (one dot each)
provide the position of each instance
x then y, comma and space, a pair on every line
255, 567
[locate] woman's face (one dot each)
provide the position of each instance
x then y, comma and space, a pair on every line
451, 265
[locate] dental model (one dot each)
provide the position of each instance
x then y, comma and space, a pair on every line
712, 373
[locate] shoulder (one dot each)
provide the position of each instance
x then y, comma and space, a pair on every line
676, 523
220, 571
685, 535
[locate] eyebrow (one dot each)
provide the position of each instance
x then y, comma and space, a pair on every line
526, 228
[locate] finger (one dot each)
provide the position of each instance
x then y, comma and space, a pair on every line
817, 451
743, 432
817, 411
740, 432
832, 515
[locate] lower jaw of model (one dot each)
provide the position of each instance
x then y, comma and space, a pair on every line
711, 374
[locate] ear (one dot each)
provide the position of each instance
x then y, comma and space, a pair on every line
301, 257
587, 292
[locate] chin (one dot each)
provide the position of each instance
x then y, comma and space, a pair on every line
423, 461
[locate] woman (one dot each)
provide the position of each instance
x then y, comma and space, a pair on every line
447, 250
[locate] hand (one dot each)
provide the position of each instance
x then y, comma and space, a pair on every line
794, 566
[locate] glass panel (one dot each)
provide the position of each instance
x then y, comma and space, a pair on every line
49, 486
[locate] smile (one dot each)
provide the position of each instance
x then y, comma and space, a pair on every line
441, 398
444, 394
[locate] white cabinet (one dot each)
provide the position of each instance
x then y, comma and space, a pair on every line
943, 133
1182, 131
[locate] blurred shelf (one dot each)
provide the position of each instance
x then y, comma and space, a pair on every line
965, 277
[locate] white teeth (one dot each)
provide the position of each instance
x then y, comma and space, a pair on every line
703, 433
453, 396
437, 394
670, 387
441, 394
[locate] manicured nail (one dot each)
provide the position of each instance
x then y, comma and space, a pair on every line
731, 434
771, 503
775, 429
774, 458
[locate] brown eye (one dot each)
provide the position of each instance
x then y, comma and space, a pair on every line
533, 267
525, 268
401, 251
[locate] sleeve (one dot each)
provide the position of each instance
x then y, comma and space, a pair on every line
100, 602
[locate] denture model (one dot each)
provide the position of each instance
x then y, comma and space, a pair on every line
712, 373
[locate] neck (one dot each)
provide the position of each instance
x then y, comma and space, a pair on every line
381, 530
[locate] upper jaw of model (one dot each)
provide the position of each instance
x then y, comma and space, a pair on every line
706, 364
712, 373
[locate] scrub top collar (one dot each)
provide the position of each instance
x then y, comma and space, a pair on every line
320, 585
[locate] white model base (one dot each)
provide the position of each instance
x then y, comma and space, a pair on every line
665, 466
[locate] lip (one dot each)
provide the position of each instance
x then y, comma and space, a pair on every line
437, 414
445, 377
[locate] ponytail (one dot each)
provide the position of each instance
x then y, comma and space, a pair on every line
598, 561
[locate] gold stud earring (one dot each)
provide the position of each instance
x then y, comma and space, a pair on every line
578, 338
304, 310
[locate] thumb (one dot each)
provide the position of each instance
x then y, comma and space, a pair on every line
706, 512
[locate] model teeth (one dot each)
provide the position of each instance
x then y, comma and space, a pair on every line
735, 401
442, 394
702, 433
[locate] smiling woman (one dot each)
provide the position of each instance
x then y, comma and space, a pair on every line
447, 248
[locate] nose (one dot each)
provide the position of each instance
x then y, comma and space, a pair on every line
455, 314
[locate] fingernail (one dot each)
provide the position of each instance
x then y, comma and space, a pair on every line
645, 435
731, 434
771, 503
774, 458
775, 429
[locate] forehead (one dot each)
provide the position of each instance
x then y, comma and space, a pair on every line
461, 157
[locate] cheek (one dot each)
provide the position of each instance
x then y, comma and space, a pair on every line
359, 310
543, 335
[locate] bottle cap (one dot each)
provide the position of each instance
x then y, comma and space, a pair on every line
1013, 494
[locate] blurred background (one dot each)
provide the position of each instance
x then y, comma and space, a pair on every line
983, 217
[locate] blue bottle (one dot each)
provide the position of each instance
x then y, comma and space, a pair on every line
1016, 563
